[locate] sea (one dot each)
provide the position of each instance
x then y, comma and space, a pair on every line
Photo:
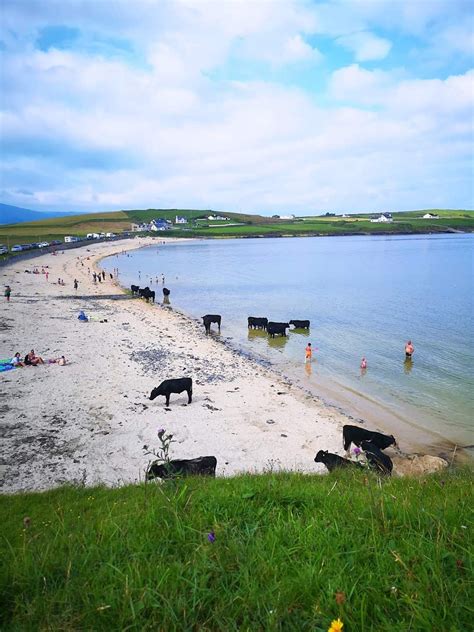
365, 296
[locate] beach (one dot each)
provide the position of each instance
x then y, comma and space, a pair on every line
87, 422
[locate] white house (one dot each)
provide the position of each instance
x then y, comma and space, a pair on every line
215, 218
383, 218
180, 220
430, 216
287, 217
140, 228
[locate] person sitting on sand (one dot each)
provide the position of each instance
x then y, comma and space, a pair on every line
409, 350
31, 359
16, 361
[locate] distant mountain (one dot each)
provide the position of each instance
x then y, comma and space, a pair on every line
14, 214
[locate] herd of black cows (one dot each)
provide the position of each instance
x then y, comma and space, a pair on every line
371, 443
271, 327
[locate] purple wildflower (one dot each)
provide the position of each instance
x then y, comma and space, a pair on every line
211, 536
357, 451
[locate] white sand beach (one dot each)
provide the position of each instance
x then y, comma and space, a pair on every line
87, 422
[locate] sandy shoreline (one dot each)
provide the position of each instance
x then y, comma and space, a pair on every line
87, 422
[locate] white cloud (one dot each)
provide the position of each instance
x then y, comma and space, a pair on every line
366, 46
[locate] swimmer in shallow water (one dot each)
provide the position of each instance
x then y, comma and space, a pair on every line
363, 364
409, 350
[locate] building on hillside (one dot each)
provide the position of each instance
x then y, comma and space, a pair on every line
215, 218
69, 239
430, 216
287, 217
180, 220
383, 218
160, 224
141, 228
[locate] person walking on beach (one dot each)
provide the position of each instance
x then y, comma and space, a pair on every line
75, 284
8, 291
47, 275
409, 350
103, 275
308, 353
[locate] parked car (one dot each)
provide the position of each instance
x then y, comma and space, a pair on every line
55, 242
3, 249
16, 248
43, 244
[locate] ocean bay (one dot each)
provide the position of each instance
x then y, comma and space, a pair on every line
365, 296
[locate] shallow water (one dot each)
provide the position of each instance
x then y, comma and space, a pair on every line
364, 296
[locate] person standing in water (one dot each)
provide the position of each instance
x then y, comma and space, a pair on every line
363, 363
308, 353
409, 350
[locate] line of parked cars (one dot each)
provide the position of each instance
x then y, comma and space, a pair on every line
32, 246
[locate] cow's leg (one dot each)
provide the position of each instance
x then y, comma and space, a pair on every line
168, 400
190, 395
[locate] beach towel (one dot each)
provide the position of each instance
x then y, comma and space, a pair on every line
82, 316
6, 365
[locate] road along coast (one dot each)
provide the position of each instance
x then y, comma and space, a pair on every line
88, 422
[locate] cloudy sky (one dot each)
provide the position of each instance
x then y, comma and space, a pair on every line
263, 106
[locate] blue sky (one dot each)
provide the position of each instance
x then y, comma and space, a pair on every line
263, 106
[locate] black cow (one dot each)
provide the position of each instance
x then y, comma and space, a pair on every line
211, 318
135, 289
376, 458
332, 461
202, 466
166, 292
277, 328
257, 323
143, 291
354, 434
300, 324
150, 295
174, 386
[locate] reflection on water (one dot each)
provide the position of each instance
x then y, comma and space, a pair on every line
257, 333
308, 367
408, 365
300, 332
166, 300
278, 342
363, 372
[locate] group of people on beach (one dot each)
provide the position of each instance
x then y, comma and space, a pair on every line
31, 359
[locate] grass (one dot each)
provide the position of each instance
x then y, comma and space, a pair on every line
292, 552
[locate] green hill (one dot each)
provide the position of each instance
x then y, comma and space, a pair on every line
237, 225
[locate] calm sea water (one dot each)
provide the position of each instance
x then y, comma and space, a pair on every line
364, 296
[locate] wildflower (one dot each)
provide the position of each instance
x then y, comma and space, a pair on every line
357, 451
340, 597
211, 536
336, 626
161, 432
26, 522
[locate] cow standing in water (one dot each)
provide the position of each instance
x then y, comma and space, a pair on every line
211, 318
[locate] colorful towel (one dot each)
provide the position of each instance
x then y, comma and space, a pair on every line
6, 365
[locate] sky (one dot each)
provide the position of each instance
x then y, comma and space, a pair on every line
268, 106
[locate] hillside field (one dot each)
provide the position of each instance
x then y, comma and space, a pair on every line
239, 225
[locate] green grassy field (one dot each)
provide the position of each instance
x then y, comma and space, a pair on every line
291, 553
250, 225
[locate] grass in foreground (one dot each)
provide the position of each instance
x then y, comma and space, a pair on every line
291, 552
